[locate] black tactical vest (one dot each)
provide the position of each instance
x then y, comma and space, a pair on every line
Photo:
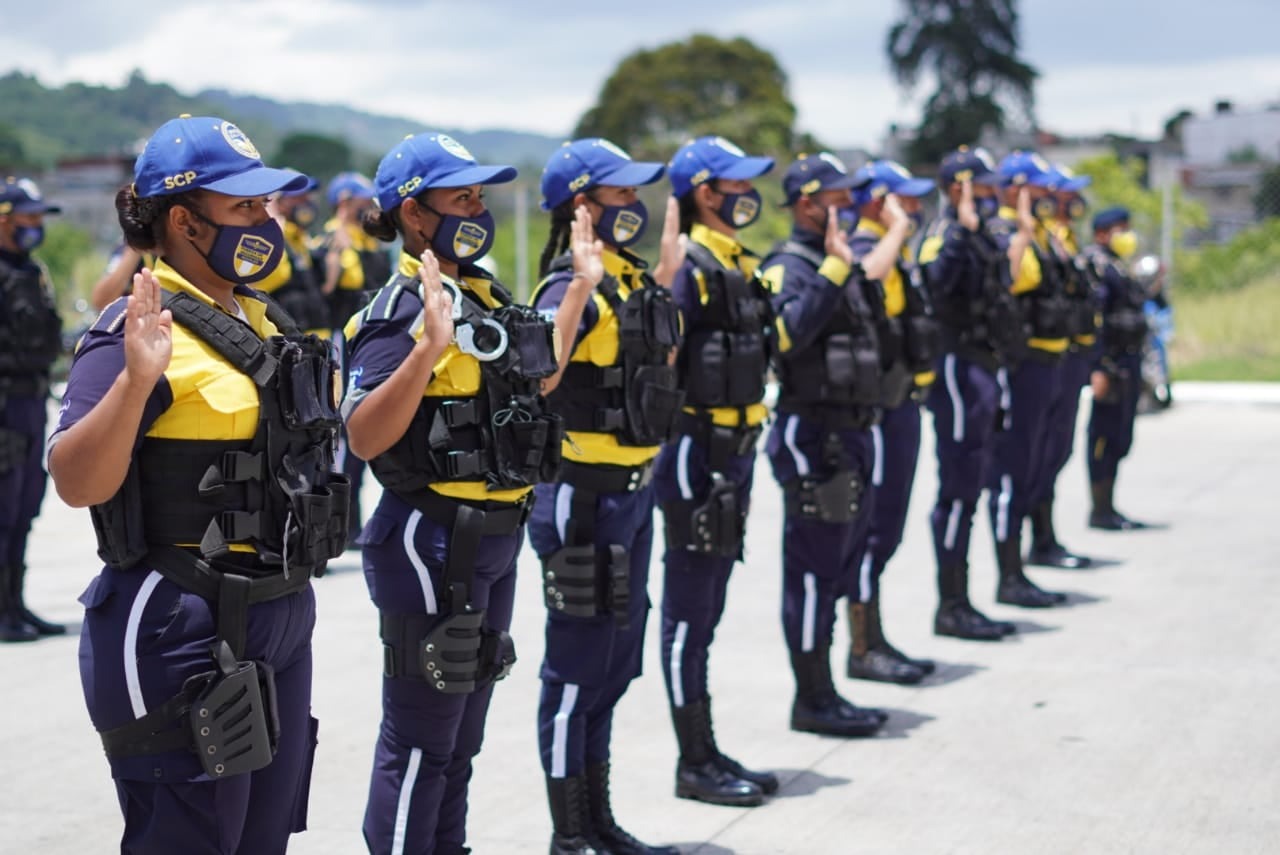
30, 329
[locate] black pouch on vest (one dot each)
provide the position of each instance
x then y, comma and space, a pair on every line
653, 404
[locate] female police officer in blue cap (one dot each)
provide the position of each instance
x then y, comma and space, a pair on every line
703, 477
593, 529
198, 424
443, 402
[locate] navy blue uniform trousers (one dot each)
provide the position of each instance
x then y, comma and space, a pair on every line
1019, 451
23, 480
819, 559
896, 448
143, 636
590, 662
1111, 423
422, 762
1063, 412
695, 584
967, 402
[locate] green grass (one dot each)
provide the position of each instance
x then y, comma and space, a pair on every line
1232, 335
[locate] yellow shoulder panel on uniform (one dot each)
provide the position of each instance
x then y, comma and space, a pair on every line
930, 248
1028, 274
773, 276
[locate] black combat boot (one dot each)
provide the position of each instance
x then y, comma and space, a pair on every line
928, 666
956, 616
42, 627
700, 773
571, 831
870, 658
818, 709
766, 781
615, 839
12, 625
1015, 589
1045, 550
1104, 514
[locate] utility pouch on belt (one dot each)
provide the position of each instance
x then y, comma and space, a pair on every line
835, 500
714, 527
234, 721
583, 581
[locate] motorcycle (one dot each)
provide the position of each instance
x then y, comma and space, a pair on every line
1157, 386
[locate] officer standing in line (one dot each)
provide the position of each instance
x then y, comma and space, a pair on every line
1055, 215
888, 207
703, 476
820, 446
293, 283
1018, 451
1117, 365
196, 413
443, 402
30, 340
618, 393
355, 265
117, 279
966, 266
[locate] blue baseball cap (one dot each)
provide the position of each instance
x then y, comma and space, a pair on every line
1026, 167
1066, 181
348, 185
813, 174
592, 162
1108, 217
206, 153
22, 196
423, 161
972, 164
711, 157
882, 177
311, 185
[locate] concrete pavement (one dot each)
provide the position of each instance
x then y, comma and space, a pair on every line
1140, 719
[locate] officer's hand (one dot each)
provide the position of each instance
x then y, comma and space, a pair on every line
967, 211
437, 305
588, 269
148, 332
892, 213
1100, 383
671, 250
837, 242
1026, 220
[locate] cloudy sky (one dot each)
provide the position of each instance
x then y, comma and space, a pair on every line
1106, 64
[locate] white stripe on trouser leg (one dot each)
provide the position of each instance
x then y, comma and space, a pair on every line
864, 578
131, 680
877, 457
1002, 504
1006, 397
677, 668
810, 612
560, 729
789, 437
957, 400
402, 804
424, 575
564, 501
682, 467
953, 524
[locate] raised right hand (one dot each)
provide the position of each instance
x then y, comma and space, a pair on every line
148, 332
587, 250
837, 242
967, 211
1026, 220
437, 306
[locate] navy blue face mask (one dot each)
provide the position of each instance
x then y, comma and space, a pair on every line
462, 240
28, 237
303, 214
740, 209
244, 254
622, 225
986, 207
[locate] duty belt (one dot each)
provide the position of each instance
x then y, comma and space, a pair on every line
722, 442
496, 519
606, 479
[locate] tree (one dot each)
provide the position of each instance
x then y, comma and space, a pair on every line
970, 49
12, 153
1173, 125
1266, 202
658, 99
317, 155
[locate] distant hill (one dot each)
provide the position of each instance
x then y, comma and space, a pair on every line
40, 125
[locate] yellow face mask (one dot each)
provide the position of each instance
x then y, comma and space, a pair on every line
1123, 243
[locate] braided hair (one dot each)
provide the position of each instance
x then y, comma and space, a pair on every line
558, 238
144, 219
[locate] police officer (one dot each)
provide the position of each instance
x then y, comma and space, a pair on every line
355, 265
965, 263
30, 340
293, 283
889, 212
443, 402
1056, 214
593, 528
1117, 363
704, 475
820, 447
198, 426
1034, 379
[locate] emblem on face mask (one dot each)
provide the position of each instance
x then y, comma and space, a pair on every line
238, 141
469, 239
745, 210
252, 254
626, 226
